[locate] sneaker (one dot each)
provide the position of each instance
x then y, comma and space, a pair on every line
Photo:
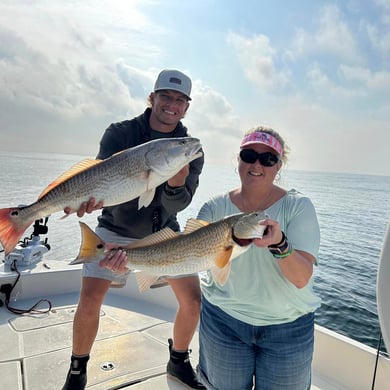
179, 368
76, 378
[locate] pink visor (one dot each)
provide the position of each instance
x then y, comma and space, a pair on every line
260, 137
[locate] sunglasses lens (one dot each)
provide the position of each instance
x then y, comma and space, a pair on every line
268, 159
250, 156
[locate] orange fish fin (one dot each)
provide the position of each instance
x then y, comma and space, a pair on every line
10, 231
193, 224
221, 275
91, 246
76, 169
145, 280
223, 257
155, 238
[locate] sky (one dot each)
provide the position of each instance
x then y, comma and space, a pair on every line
316, 71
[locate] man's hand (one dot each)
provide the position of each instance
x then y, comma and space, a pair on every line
86, 207
115, 260
180, 178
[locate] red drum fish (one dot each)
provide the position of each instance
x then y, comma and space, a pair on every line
127, 175
200, 247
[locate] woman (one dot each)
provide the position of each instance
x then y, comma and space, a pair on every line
258, 329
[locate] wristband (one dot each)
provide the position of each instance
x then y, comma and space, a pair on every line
173, 190
281, 249
280, 243
284, 254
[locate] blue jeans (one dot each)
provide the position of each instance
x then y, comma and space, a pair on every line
234, 355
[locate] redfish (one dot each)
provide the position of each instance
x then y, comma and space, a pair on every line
127, 175
200, 247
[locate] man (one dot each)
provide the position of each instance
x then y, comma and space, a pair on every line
123, 223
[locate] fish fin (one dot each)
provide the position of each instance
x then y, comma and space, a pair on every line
145, 280
155, 238
221, 275
10, 229
76, 169
194, 224
91, 246
223, 257
146, 198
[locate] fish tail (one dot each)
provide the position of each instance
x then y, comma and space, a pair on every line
91, 246
11, 228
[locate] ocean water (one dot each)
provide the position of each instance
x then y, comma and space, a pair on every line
353, 212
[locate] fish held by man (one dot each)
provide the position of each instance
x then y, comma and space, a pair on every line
127, 175
200, 247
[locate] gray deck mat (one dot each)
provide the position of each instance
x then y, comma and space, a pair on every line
130, 347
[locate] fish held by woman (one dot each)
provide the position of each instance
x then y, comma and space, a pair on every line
200, 247
127, 175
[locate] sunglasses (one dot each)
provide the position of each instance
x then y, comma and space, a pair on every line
267, 159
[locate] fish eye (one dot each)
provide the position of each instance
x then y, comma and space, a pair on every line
99, 246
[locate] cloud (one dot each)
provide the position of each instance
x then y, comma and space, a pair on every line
376, 81
383, 3
256, 57
63, 92
69, 69
379, 33
333, 92
333, 37
61, 83
213, 120
322, 139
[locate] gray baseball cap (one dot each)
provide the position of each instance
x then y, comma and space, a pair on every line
174, 80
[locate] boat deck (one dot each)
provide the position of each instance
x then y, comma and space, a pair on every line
130, 351
130, 348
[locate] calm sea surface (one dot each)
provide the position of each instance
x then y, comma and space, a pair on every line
353, 212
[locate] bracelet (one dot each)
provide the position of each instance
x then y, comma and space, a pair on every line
173, 190
281, 249
284, 254
280, 243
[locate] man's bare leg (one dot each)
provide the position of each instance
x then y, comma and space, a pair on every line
85, 328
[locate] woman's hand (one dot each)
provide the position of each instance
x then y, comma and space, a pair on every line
273, 234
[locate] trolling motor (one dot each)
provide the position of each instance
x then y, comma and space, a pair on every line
31, 249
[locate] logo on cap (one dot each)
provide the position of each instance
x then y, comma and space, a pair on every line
175, 80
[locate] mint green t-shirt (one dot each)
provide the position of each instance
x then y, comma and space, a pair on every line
256, 291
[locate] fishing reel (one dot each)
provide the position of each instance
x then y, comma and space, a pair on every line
31, 249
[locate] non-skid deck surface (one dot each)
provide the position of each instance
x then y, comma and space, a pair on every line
130, 351
130, 348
